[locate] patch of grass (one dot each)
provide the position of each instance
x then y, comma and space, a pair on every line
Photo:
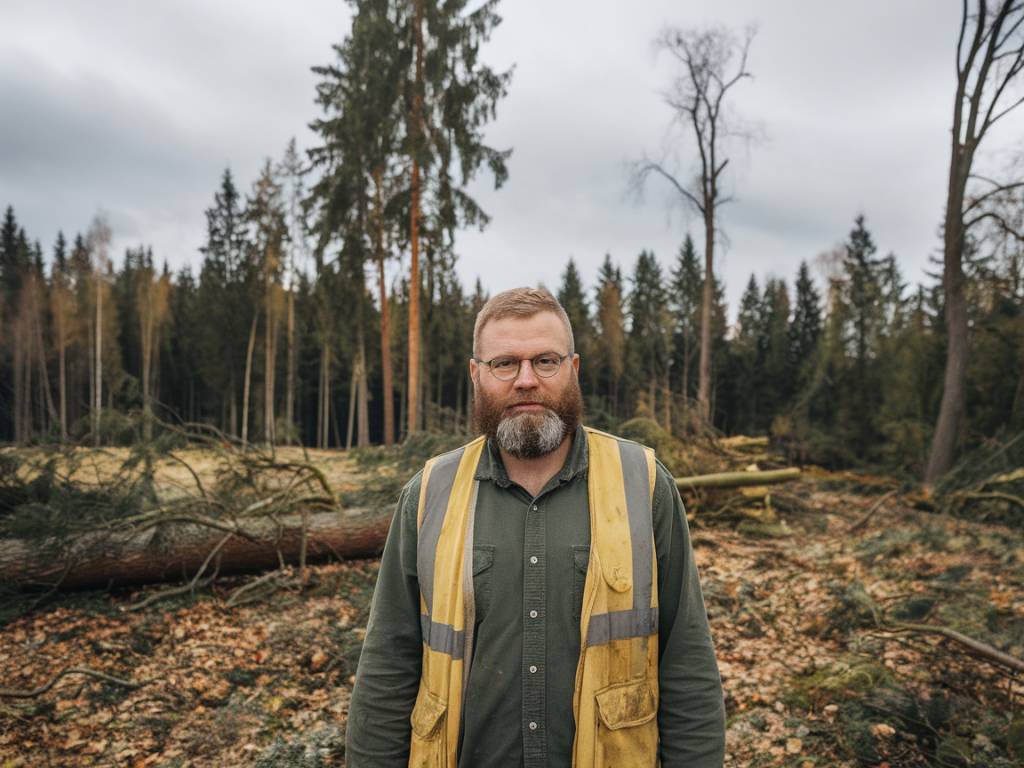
318, 747
932, 723
835, 682
241, 676
765, 530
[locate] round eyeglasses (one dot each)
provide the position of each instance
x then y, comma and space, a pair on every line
545, 365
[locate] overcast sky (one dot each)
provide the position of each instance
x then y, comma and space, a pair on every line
136, 108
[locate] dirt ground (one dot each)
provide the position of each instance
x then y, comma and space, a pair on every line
802, 615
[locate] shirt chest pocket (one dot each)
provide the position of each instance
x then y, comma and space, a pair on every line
483, 577
580, 562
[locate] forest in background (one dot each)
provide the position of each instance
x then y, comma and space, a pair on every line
842, 375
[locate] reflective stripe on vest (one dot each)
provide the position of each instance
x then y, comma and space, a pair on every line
444, 565
615, 702
619, 621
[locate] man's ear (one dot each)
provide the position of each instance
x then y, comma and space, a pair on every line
576, 363
473, 369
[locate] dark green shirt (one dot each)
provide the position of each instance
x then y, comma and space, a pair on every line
529, 562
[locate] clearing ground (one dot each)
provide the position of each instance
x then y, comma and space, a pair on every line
802, 613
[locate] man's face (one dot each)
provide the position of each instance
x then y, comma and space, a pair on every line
528, 416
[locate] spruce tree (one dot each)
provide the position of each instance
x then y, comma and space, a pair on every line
805, 330
649, 338
685, 294
573, 298
223, 291
610, 346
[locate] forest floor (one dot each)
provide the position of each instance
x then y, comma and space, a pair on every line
801, 614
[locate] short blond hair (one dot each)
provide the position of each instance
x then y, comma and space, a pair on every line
520, 302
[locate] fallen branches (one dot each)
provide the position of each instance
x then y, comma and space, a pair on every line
15, 693
871, 512
975, 647
739, 479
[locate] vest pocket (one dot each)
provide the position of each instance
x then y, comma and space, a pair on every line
627, 727
580, 561
428, 747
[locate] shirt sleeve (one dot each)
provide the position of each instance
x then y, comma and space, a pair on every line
388, 676
691, 713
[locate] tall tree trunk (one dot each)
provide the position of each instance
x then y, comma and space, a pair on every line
352, 387
19, 395
62, 382
666, 393
98, 369
363, 404
269, 354
246, 383
233, 407
147, 351
289, 407
414, 231
951, 409
686, 382
91, 365
46, 396
704, 376
385, 317
324, 397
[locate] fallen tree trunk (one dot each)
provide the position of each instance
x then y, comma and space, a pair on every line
738, 479
176, 550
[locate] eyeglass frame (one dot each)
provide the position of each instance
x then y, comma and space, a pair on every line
519, 364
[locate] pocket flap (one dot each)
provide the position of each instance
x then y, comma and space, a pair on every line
427, 714
626, 704
483, 558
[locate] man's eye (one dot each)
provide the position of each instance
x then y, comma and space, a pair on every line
503, 364
547, 360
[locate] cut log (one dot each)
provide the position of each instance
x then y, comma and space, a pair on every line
177, 550
738, 479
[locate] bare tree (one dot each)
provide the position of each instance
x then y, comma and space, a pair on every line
989, 60
99, 246
713, 61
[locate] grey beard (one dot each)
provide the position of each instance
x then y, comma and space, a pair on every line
527, 436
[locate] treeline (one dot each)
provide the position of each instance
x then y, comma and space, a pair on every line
269, 348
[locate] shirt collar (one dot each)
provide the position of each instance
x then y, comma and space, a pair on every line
492, 468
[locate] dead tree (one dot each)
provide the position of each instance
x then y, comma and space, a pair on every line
989, 60
697, 98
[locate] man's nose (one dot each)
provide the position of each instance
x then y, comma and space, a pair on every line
527, 377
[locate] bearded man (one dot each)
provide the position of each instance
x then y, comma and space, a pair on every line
538, 603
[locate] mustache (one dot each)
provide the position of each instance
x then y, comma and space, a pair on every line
538, 400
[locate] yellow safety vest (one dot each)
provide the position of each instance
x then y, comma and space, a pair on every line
615, 703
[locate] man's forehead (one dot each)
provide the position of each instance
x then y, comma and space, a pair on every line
506, 334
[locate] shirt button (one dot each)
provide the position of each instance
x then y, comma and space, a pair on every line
534, 507
533, 669
533, 726
533, 560
533, 614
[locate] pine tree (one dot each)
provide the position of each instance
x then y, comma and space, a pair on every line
451, 95
685, 296
611, 333
574, 300
649, 337
863, 299
223, 292
805, 330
